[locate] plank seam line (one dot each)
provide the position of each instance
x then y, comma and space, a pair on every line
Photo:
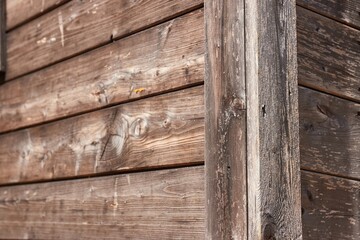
330, 175
330, 94
107, 174
113, 105
112, 40
45, 12
357, 28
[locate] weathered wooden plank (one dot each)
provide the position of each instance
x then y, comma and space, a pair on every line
331, 207
329, 134
2, 41
346, 11
81, 25
160, 131
166, 204
166, 57
272, 120
20, 11
328, 55
225, 124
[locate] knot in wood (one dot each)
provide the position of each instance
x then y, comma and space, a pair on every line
139, 127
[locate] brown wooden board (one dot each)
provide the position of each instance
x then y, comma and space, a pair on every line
160, 131
329, 134
82, 25
328, 55
225, 121
346, 11
273, 163
2, 41
20, 11
166, 57
167, 204
330, 206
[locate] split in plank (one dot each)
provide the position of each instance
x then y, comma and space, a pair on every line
160, 131
78, 26
167, 204
329, 134
163, 58
328, 55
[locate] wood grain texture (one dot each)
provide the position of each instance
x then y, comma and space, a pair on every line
331, 207
20, 11
81, 25
160, 131
166, 204
225, 121
345, 11
328, 55
274, 200
329, 134
166, 57
2, 41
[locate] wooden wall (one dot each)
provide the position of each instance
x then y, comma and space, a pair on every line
329, 79
102, 119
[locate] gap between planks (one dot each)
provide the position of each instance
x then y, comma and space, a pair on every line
329, 17
108, 173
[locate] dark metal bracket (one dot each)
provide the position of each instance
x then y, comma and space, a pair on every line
2, 41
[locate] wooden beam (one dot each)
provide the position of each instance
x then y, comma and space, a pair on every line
266, 204
225, 126
274, 210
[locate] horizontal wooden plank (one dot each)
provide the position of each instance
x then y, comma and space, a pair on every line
328, 55
330, 207
329, 134
20, 11
81, 25
167, 204
346, 11
160, 131
166, 57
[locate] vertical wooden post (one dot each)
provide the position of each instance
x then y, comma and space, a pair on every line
2, 40
251, 126
225, 120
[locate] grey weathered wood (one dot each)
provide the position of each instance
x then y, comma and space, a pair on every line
2, 41
167, 204
346, 11
225, 126
156, 132
21, 11
78, 26
328, 55
329, 134
330, 206
274, 210
166, 57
